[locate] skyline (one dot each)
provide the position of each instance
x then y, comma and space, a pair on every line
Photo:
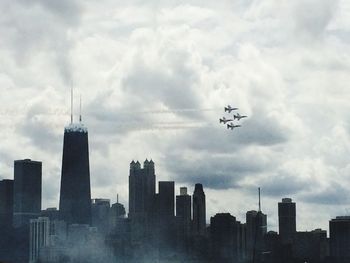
191, 57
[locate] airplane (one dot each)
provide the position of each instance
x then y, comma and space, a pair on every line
238, 116
232, 126
229, 109
224, 120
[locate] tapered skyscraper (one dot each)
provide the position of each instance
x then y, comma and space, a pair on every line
75, 193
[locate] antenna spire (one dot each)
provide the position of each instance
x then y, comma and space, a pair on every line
80, 110
117, 198
259, 201
71, 104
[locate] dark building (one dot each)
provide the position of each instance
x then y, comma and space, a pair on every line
287, 220
142, 188
199, 210
166, 203
52, 213
226, 238
100, 210
27, 191
75, 195
339, 232
310, 246
6, 203
183, 220
256, 227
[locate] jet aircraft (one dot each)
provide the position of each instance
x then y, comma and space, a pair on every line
238, 116
229, 109
224, 120
232, 126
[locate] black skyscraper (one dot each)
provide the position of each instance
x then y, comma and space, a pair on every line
75, 195
166, 199
199, 212
287, 220
142, 188
6, 203
339, 233
27, 191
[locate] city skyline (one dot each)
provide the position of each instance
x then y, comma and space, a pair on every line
277, 62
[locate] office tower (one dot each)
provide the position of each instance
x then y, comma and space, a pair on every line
100, 209
225, 238
256, 227
116, 216
287, 220
38, 237
142, 185
183, 211
52, 213
339, 233
6, 203
27, 191
75, 195
199, 212
183, 220
166, 199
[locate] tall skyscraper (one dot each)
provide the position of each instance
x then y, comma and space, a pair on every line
142, 188
75, 195
199, 210
100, 209
27, 191
183, 211
6, 203
256, 228
287, 220
166, 199
339, 233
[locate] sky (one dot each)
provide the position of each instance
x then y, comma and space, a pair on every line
154, 78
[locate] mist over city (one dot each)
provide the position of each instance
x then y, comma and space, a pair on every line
95, 93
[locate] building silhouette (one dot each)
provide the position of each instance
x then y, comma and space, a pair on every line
27, 191
339, 233
199, 210
75, 195
6, 203
256, 228
142, 188
100, 210
287, 220
183, 219
39, 237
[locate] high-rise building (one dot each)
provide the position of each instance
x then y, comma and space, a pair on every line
100, 214
27, 191
256, 228
199, 210
6, 203
75, 193
166, 199
287, 220
39, 237
225, 238
339, 233
183, 219
142, 187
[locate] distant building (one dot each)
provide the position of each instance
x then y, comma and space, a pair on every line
6, 203
39, 237
75, 192
199, 211
339, 232
100, 214
116, 216
52, 213
27, 191
183, 219
166, 199
226, 238
287, 220
256, 227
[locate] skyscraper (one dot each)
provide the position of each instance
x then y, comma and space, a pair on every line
183, 219
142, 188
287, 219
27, 191
199, 212
75, 195
339, 233
256, 227
6, 203
166, 199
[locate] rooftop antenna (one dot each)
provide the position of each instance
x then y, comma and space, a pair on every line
80, 110
118, 198
259, 201
71, 104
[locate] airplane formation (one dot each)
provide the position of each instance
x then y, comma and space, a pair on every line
236, 116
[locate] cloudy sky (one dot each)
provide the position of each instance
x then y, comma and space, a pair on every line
155, 76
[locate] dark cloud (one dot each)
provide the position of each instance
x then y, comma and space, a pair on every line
332, 194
